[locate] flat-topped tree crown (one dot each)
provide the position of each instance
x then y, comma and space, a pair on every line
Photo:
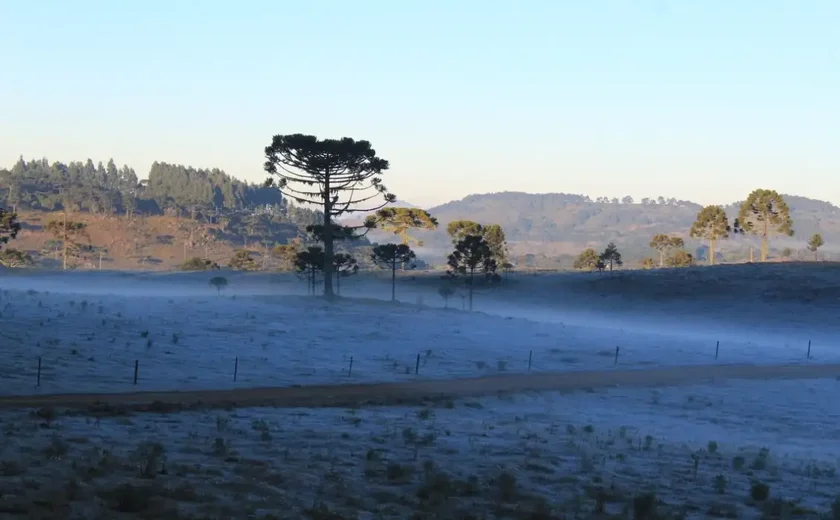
712, 224
400, 220
339, 175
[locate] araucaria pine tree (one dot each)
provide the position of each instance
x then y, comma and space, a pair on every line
344, 266
308, 264
340, 176
765, 213
664, 244
814, 244
392, 256
473, 260
611, 256
712, 225
493, 235
70, 234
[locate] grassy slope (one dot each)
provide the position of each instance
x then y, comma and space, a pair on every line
158, 237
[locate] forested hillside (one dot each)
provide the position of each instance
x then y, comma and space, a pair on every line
154, 223
169, 189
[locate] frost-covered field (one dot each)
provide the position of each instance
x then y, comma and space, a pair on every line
90, 331
699, 451
737, 449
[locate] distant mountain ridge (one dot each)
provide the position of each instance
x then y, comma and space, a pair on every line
557, 224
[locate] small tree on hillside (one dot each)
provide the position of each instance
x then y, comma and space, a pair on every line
390, 256
286, 254
308, 264
446, 291
711, 224
339, 176
681, 258
70, 234
664, 244
344, 265
648, 263
814, 243
611, 256
787, 253
765, 213
400, 220
242, 261
472, 259
9, 226
219, 283
587, 260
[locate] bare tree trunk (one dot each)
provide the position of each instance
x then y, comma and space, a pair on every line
472, 279
64, 243
764, 242
329, 247
394, 280
711, 251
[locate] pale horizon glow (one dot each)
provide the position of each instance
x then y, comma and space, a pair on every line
701, 101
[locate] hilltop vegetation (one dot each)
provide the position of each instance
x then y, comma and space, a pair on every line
552, 229
122, 222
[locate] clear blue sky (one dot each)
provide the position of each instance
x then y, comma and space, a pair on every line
701, 100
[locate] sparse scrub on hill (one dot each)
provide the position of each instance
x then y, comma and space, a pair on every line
339, 176
242, 261
588, 260
765, 213
199, 264
392, 256
14, 258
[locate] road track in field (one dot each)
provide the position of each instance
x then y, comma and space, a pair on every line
413, 392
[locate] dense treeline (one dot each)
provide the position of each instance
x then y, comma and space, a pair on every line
176, 189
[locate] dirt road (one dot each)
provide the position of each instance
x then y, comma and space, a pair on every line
418, 391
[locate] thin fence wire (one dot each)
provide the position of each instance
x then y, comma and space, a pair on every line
48, 374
